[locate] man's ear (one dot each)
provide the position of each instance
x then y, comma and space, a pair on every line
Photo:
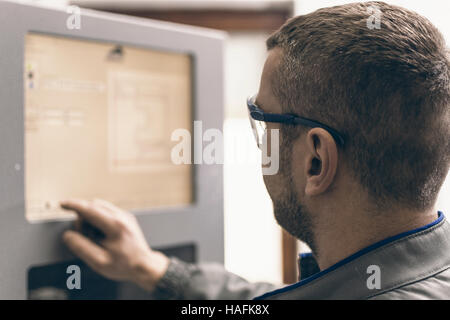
321, 162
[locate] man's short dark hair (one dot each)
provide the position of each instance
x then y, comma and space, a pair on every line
387, 90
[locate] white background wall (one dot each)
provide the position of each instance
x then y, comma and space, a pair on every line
435, 10
252, 237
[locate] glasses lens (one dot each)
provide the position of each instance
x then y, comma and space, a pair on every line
253, 125
259, 129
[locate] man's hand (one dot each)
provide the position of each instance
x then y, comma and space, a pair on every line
123, 254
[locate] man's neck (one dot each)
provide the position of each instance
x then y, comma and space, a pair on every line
342, 234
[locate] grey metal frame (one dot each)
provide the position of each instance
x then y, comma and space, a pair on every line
24, 244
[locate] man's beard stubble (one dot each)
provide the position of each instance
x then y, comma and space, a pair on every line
290, 214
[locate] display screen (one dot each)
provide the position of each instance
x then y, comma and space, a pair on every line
98, 124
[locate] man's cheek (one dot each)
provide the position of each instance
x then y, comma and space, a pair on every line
274, 185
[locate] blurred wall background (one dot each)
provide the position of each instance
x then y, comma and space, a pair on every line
252, 237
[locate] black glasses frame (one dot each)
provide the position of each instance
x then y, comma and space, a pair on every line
256, 113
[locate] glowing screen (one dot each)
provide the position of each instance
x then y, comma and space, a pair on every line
98, 124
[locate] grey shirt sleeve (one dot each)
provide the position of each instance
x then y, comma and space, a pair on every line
185, 281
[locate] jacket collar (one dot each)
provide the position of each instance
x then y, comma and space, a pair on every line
402, 259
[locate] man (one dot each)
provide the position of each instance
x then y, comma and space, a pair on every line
361, 165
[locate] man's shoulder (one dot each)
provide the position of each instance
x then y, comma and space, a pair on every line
412, 265
436, 287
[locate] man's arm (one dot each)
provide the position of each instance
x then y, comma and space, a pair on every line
123, 254
206, 282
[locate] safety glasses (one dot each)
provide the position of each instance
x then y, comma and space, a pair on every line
259, 118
